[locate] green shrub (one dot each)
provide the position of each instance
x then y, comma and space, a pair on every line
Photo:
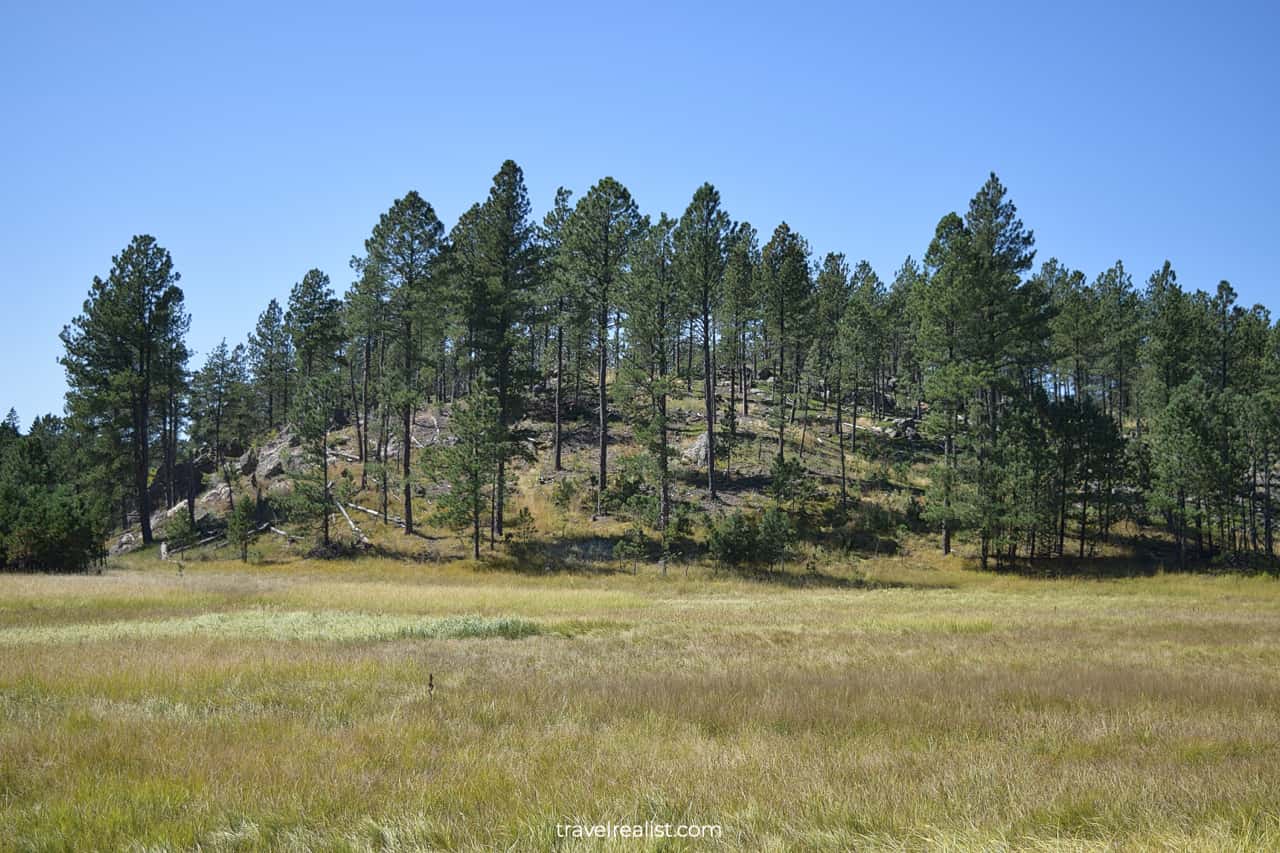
733, 538
240, 526
179, 532
773, 543
789, 485
565, 492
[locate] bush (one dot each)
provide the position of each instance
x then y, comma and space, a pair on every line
626, 484
789, 484
564, 492
179, 532
240, 526
776, 534
631, 547
733, 539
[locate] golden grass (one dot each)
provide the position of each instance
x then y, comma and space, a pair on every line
286, 706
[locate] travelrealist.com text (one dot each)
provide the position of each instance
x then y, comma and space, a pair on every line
648, 829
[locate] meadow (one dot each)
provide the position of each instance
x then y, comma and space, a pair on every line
385, 704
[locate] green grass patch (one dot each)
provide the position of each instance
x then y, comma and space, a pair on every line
283, 625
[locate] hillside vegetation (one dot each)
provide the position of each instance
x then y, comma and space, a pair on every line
671, 389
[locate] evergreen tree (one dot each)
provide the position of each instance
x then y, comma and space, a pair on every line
739, 306
649, 300
220, 403
240, 526
271, 355
597, 241
313, 417
701, 240
313, 321
113, 354
403, 249
947, 383
785, 289
508, 264
565, 306
467, 465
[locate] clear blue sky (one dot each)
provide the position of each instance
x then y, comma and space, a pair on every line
257, 141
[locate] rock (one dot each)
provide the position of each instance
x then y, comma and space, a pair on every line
276, 456
280, 487
696, 453
126, 543
219, 494
248, 463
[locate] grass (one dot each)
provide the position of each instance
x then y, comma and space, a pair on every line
279, 625
286, 706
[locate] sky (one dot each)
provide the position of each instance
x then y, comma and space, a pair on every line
257, 141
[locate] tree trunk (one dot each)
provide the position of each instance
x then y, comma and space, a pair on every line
603, 403
709, 392
559, 386
142, 464
844, 492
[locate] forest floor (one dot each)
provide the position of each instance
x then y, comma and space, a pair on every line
903, 702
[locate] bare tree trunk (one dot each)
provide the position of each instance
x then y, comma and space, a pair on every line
709, 393
844, 491
559, 386
604, 410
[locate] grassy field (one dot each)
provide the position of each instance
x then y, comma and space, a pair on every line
287, 706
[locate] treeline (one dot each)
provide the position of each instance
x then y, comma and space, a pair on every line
1058, 408
46, 518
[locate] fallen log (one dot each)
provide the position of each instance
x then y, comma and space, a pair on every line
208, 539
361, 539
394, 519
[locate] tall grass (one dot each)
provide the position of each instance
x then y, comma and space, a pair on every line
287, 707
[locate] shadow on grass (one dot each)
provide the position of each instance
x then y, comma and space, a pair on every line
809, 580
1146, 557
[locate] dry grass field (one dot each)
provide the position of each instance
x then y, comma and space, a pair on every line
286, 706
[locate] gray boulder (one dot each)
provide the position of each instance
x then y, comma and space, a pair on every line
696, 454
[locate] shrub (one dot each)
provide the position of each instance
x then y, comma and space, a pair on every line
775, 536
240, 526
733, 539
631, 547
565, 492
179, 532
789, 485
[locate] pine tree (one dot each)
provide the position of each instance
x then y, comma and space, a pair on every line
313, 321
649, 300
785, 289
220, 404
271, 357
832, 347
507, 257
739, 305
701, 240
1004, 328
313, 417
113, 354
947, 383
467, 465
564, 304
365, 319
240, 526
402, 250
597, 240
